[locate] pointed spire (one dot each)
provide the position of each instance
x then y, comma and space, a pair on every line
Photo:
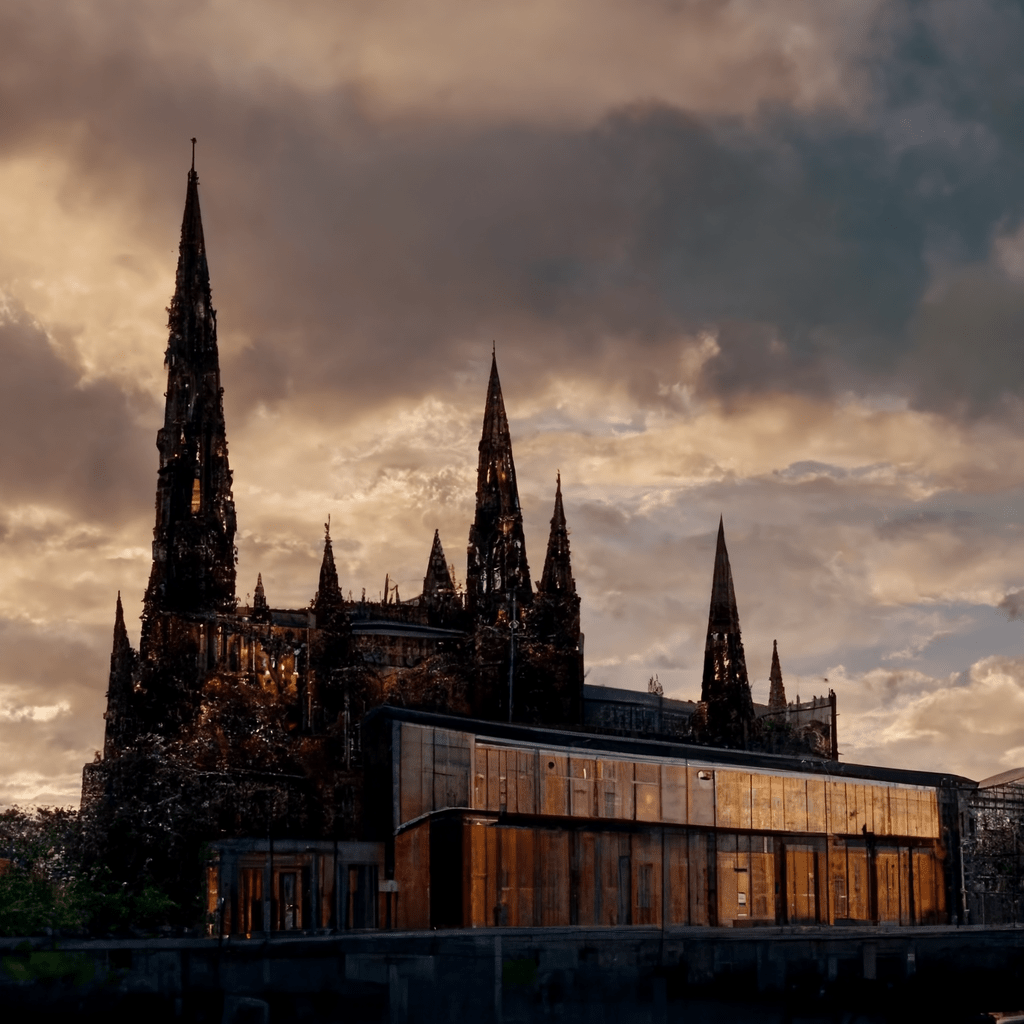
557, 575
260, 608
194, 536
497, 566
777, 693
437, 583
329, 598
723, 617
120, 716
725, 687
120, 630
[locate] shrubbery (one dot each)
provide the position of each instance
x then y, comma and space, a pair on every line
46, 884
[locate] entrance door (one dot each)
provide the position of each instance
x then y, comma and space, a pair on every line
801, 873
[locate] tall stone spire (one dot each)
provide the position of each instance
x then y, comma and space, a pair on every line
725, 688
497, 568
557, 575
120, 690
329, 598
777, 694
437, 583
260, 607
194, 536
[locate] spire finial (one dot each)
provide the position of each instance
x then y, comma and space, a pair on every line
327, 526
193, 155
494, 349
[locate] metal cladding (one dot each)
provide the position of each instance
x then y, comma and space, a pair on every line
777, 693
725, 689
497, 570
557, 575
194, 536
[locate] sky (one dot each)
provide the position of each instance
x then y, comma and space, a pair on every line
763, 260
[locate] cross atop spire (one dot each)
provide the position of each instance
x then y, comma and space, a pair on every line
777, 693
557, 575
723, 616
194, 536
497, 566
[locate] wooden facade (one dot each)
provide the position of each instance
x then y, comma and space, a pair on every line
498, 832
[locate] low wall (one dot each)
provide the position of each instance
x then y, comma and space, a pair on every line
484, 975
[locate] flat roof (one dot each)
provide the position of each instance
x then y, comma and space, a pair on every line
564, 737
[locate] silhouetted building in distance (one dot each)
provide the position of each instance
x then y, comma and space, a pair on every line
241, 722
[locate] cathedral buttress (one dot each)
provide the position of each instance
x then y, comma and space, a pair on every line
725, 688
497, 569
194, 536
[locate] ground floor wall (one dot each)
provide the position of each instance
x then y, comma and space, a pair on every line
471, 872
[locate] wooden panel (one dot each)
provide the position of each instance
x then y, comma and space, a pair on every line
460, 767
480, 779
900, 816
815, 805
880, 810
410, 801
525, 877
778, 804
585, 880
412, 873
553, 856
858, 882
855, 805
801, 883
930, 814
677, 864
608, 801
526, 782
647, 792
505, 868
795, 795
582, 773
905, 886
673, 792
624, 779
606, 848
760, 802
887, 882
479, 912
732, 799
730, 864
646, 878
503, 759
493, 775
914, 823
761, 895
838, 822
554, 783
700, 793
838, 908
698, 858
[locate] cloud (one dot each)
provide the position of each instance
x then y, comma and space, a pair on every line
760, 260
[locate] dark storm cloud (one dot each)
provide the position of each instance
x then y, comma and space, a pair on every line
369, 255
75, 445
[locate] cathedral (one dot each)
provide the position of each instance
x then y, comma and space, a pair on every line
234, 721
